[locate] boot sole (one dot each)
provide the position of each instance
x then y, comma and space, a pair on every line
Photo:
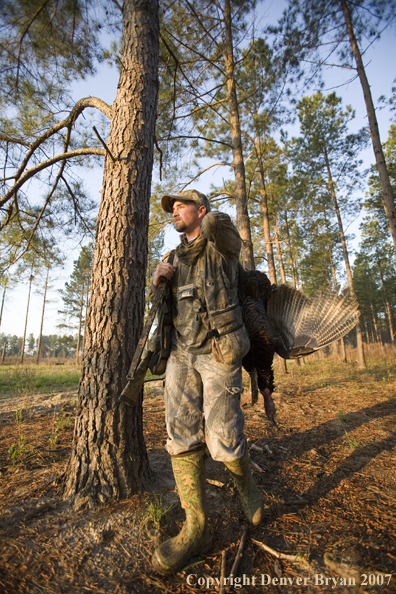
159, 567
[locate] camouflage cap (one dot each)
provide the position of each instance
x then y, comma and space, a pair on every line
188, 195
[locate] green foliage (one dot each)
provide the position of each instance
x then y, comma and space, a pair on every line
375, 264
76, 291
19, 448
155, 515
61, 422
45, 46
52, 345
326, 177
314, 31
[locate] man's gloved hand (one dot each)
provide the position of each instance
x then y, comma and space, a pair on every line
163, 270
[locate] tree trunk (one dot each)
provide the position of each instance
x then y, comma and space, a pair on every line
368, 337
27, 316
264, 210
109, 457
386, 300
2, 302
377, 333
3, 353
282, 365
279, 252
42, 319
78, 346
292, 265
243, 222
86, 313
330, 243
359, 337
388, 198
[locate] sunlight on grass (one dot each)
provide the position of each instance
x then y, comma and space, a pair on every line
29, 379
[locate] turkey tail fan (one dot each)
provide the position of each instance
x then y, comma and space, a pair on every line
302, 325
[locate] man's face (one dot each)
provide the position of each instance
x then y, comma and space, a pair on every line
187, 217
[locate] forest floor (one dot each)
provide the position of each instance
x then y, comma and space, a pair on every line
327, 474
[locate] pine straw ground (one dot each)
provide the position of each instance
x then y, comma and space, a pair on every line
327, 474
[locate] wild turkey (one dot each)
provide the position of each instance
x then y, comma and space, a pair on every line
280, 319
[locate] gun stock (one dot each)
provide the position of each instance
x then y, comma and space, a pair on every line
131, 392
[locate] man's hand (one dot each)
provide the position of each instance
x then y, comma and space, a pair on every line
164, 270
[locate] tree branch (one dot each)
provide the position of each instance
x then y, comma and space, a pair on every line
326, 64
204, 170
34, 170
6, 138
203, 27
198, 138
68, 122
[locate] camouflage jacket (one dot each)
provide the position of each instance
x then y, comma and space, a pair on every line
203, 301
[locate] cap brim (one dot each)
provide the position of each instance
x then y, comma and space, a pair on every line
168, 200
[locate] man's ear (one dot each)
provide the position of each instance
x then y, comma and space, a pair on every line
202, 211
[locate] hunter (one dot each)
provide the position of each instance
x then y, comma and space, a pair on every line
203, 372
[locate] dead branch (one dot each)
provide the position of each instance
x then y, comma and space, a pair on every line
75, 204
198, 138
296, 559
238, 556
204, 170
106, 148
160, 155
222, 572
118, 5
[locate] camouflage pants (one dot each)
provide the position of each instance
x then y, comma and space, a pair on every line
198, 386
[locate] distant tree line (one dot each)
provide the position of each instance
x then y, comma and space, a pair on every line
52, 345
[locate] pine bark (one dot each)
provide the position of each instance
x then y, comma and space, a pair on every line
109, 457
387, 194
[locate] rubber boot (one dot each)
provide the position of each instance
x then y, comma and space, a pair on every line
251, 500
173, 554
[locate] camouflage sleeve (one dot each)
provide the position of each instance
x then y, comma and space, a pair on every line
153, 290
218, 228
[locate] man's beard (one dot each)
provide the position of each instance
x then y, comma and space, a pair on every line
180, 226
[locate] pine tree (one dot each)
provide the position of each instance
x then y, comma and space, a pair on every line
75, 295
327, 156
109, 457
317, 30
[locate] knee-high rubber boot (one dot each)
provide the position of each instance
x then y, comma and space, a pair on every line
251, 500
173, 554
